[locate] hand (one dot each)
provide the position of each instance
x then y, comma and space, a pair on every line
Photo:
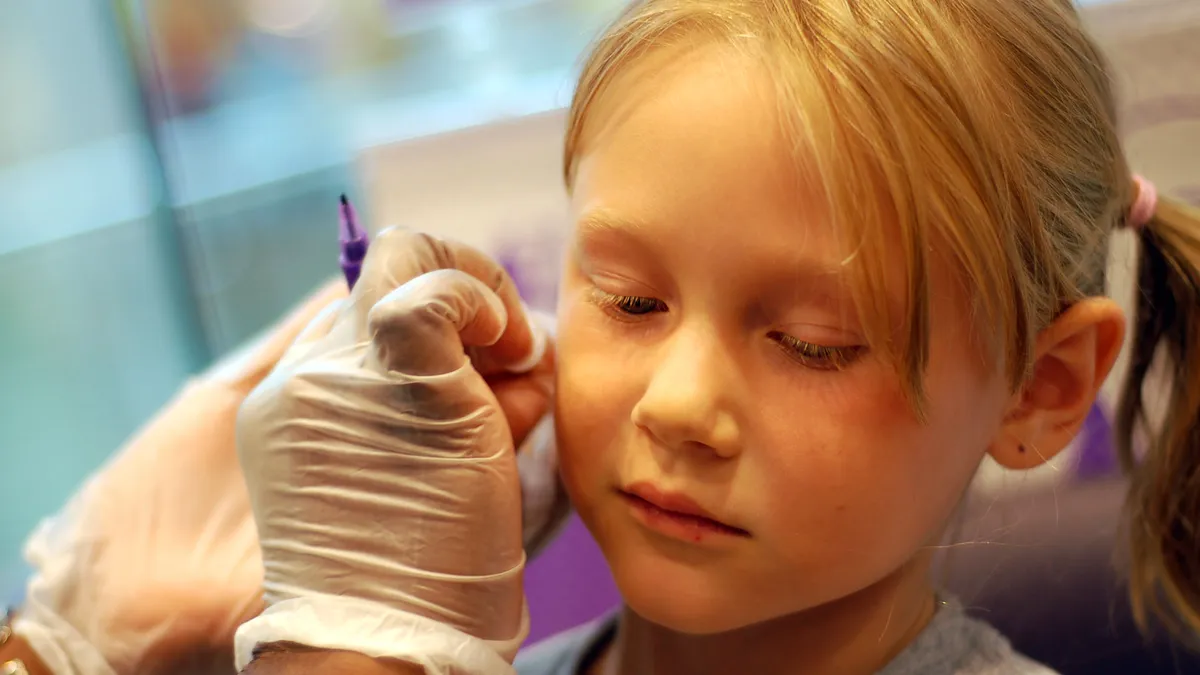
154, 563
380, 461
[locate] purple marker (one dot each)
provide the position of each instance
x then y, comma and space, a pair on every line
353, 240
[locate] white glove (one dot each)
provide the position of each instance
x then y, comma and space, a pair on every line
154, 563
380, 461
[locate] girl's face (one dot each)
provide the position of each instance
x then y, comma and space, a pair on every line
710, 362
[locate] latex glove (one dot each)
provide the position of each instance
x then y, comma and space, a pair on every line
381, 467
153, 564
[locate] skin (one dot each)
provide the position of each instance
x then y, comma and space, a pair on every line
327, 663
17, 648
701, 254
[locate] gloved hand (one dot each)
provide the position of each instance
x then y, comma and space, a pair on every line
380, 461
154, 563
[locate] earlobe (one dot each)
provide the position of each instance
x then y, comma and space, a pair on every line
1017, 455
1072, 358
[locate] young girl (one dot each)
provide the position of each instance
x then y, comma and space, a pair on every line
827, 255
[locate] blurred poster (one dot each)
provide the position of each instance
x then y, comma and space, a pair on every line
497, 187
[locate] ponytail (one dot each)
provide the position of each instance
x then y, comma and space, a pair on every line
1164, 498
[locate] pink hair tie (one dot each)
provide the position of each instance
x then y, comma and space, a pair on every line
1144, 205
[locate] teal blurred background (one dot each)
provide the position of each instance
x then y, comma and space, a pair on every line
168, 176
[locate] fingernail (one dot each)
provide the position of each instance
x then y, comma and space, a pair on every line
537, 351
497, 305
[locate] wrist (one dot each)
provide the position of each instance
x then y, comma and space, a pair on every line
16, 656
18, 652
342, 624
57, 646
283, 658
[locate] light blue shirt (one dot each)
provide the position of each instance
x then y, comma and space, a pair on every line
952, 644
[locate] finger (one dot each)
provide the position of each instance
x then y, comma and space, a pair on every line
422, 327
525, 399
521, 345
398, 256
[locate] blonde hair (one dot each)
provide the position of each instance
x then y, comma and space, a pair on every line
989, 128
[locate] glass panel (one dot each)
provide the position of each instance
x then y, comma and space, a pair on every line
97, 329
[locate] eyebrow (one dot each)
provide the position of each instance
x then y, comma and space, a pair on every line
604, 221
789, 275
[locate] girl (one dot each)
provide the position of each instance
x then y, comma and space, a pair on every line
827, 254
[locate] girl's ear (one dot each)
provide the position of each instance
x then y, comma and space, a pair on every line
1072, 358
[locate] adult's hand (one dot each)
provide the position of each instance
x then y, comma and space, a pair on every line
380, 459
154, 563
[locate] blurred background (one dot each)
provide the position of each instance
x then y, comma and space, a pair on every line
169, 172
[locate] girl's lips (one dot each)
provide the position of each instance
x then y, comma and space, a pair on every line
676, 515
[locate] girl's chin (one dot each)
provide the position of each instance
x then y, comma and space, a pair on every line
682, 598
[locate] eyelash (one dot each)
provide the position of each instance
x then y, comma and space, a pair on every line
818, 357
627, 306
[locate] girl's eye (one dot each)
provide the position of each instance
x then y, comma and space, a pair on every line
818, 357
631, 305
